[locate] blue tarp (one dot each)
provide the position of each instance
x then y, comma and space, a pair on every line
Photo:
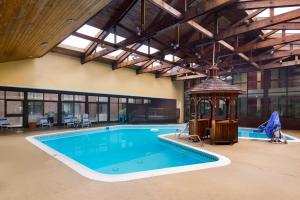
272, 125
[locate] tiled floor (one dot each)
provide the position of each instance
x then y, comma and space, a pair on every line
259, 170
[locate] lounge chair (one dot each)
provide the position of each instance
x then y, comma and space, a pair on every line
185, 133
69, 121
44, 122
85, 122
4, 122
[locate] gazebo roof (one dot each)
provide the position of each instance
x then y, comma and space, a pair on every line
214, 85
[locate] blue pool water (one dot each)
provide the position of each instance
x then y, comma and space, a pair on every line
248, 133
124, 150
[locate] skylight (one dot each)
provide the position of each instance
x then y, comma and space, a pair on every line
277, 11
99, 48
280, 32
144, 49
170, 57
111, 38
156, 64
89, 30
73, 41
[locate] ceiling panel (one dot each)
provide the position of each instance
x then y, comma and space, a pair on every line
30, 28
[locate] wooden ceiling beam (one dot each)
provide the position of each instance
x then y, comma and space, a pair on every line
285, 26
261, 24
110, 46
105, 51
130, 62
200, 28
276, 55
153, 69
269, 43
248, 17
179, 71
282, 64
201, 9
188, 77
126, 54
248, 5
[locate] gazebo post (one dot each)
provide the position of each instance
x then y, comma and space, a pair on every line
213, 118
228, 108
196, 116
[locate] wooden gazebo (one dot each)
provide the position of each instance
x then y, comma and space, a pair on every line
217, 96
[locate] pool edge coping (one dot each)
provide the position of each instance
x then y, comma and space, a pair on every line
97, 176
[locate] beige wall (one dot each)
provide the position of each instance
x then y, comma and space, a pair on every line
61, 72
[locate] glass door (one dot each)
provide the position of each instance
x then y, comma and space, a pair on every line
14, 108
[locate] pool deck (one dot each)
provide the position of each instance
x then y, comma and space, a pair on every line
258, 170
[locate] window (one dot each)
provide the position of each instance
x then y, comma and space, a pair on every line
130, 100
50, 110
277, 102
294, 104
35, 109
122, 107
255, 102
171, 58
205, 109
242, 106
77, 43
144, 49
2, 103
113, 109
111, 38
277, 80
92, 99
14, 95
67, 109
89, 30
1, 94
103, 112
79, 98
79, 110
35, 96
254, 82
147, 101
93, 112
2, 108
240, 80
221, 110
14, 107
103, 99
294, 79
50, 97
139, 101
67, 97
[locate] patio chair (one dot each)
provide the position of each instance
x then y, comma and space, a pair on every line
4, 122
185, 133
69, 121
44, 122
85, 121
